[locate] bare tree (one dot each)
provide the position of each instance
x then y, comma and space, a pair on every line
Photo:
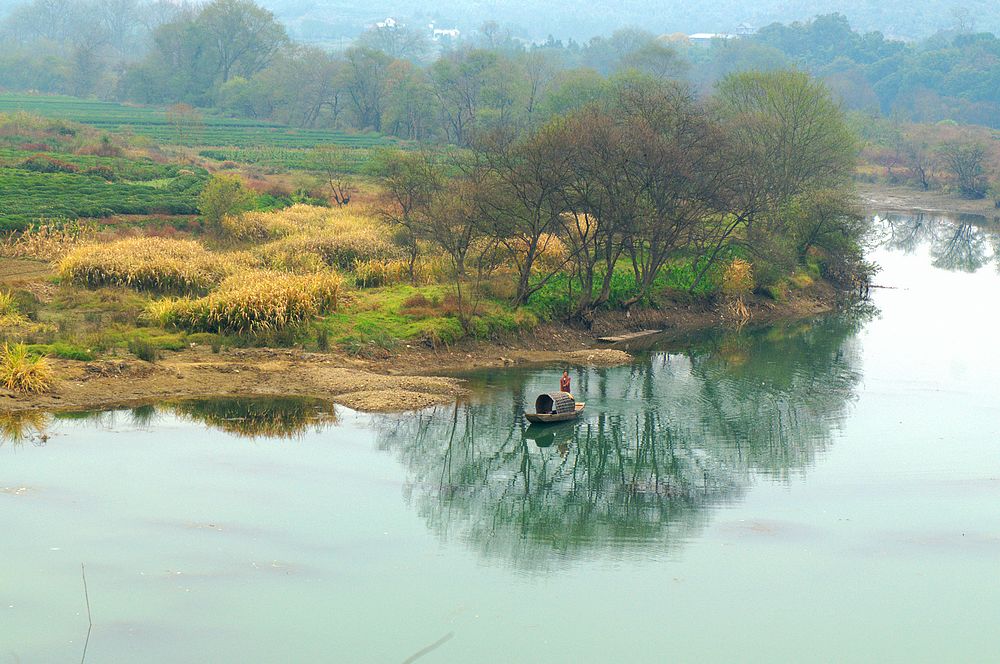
329, 161
411, 180
966, 161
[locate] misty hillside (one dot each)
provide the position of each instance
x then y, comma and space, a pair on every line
322, 19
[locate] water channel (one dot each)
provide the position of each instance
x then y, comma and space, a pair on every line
826, 489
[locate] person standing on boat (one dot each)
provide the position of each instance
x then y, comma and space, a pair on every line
564, 382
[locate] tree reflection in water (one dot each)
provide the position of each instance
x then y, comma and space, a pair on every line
957, 242
661, 442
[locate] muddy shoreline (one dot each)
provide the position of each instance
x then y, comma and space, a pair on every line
905, 199
414, 377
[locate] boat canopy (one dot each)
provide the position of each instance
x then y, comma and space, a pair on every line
555, 402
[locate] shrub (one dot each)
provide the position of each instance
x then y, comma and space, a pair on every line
104, 172
143, 349
41, 163
224, 195
153, 264
23, 372
253, 302
737, 279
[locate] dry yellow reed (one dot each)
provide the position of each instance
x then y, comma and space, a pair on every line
253, 302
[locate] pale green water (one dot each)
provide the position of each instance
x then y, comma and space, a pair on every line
813, 492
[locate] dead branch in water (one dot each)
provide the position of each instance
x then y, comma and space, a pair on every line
90, 619
423, 651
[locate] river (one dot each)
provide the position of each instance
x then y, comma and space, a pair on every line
823, 490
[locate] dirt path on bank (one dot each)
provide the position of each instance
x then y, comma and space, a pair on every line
414, 377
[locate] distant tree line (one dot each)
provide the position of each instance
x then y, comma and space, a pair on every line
234, 55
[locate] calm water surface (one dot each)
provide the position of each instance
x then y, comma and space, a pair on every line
825, 490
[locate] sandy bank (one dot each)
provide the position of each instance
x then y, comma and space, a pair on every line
415, 377
197, 372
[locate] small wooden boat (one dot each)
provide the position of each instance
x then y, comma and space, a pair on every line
554, 407
628, 336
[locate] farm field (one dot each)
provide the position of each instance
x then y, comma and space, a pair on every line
202, 130
27, 197
55, 170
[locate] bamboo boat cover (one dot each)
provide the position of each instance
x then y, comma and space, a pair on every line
555, 402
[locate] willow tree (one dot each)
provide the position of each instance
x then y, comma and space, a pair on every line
785, 137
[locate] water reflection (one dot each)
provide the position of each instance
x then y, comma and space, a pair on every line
25, 426
661, 442
245, 417
273, 417
963, 243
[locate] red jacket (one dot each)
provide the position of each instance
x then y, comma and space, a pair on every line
564, 384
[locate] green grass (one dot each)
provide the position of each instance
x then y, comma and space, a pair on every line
62, 350
381, 316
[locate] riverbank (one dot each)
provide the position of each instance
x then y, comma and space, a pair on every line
906, 199
414, 377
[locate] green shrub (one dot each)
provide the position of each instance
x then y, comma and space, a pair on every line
224, 195
143, 349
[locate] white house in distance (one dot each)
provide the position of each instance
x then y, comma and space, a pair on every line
437, 34
434, 32
705, 38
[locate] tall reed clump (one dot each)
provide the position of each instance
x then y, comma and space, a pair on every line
737, 283
372, 273
328, 248
259, 226
48, 241
22, 372
150, 263
253, 303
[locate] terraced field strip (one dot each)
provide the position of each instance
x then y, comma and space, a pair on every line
210, 130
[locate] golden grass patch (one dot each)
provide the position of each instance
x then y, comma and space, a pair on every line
154, 264
22, 372
253, 302
308, 252
47, 241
